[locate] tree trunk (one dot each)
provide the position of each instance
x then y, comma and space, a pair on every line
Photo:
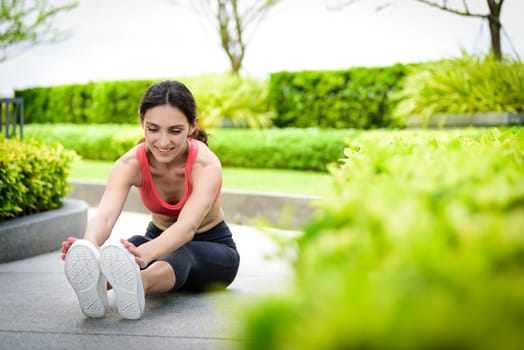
494, 27
231, 35
493, 18
236, 64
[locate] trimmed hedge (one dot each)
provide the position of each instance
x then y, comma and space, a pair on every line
91, 141
221, 99
301, 149
352, 98
360, 97
33, 177
420, 246
102, 102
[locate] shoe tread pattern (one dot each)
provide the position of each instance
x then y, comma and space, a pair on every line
117, 266
83, 273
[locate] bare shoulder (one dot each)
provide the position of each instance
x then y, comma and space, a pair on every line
127, 168
207, 166
206, 158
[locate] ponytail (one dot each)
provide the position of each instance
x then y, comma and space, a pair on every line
200, 135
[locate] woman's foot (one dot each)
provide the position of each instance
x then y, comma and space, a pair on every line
123, 273
83, 273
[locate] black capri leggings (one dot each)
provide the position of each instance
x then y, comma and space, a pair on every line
210, 260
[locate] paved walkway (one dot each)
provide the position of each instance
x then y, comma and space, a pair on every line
39, 309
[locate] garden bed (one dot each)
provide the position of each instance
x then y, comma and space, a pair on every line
43, 232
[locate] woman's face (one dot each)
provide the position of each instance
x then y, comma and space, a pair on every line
166, 130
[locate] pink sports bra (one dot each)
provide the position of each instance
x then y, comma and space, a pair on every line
148, 193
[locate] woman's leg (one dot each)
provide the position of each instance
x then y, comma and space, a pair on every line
194, 266
200, 265
159, 277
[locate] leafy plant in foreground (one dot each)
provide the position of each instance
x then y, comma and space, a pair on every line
421, 246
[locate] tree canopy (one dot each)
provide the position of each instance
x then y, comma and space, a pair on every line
27, 23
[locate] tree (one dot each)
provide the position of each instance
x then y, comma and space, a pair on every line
492, 16
235, 22
27, 23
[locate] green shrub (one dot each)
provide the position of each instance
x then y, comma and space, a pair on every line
100, 102
33, 177
35, 104
301, 149
116, 101
463, 85
420, 246
93, 141
221, 98
353, 98
227, 100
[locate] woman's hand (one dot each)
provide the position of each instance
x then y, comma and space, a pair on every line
141, 260
66, 245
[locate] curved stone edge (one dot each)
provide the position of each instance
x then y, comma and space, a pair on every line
442, 120
42, 232
281, 210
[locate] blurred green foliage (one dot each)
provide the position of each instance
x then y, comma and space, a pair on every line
353, 98
465, 85
227, 100
222, 99
300, 149
358, 97
421, 246
90, 141
33, 177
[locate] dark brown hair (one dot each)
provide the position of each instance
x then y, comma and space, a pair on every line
175, 94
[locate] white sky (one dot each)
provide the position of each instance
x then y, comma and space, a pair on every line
154, 39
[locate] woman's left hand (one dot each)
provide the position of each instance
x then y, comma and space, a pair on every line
140, 260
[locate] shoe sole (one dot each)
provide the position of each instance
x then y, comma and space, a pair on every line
83, 273
123, 273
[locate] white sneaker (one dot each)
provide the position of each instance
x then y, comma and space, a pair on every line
123, 273
83, 273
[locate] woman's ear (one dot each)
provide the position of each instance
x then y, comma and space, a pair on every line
193, 127
140, 119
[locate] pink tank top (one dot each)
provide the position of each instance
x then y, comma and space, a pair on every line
148, 193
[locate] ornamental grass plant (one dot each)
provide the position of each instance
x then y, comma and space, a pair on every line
465, 85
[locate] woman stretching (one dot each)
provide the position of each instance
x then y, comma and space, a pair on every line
187, 244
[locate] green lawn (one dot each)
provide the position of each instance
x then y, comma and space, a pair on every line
267, 180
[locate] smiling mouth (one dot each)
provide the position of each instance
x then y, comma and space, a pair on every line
164, 150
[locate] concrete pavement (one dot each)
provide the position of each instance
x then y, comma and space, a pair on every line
39, 309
